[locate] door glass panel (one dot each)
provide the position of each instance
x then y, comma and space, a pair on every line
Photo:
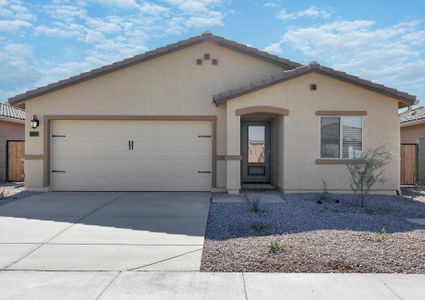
256, 144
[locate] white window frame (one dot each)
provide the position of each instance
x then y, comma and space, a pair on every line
340, 137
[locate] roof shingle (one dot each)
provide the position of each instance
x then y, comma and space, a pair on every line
11, 112
413, 115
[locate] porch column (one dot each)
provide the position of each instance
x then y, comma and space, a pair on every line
233, 164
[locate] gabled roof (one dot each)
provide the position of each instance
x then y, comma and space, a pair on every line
282, 62
412, 116
314, 67
12, 113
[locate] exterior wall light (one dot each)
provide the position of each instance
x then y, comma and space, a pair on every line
35, 122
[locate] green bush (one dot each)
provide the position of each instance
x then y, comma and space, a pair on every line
275, 247
255, 203
381, 235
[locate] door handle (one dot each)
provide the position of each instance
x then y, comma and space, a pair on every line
129, 145
132, 145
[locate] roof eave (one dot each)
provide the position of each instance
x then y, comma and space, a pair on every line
404, 99
412, 123
12, 120
205, 37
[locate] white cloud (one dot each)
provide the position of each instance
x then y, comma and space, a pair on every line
18, 66
271, 4
195, 6
154, 9
212, 19
56, 32
311, 12
392, 55
64, 12
13, 25
118, 3
115, 30
14, 16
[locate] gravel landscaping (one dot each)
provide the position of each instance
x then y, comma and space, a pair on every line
311, 237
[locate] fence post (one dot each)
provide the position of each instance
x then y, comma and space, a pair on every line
421, 161
3, 159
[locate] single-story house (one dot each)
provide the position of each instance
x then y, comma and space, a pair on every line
12, 130
412, 125
207, 114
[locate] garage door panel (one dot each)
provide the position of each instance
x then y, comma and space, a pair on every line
167, 155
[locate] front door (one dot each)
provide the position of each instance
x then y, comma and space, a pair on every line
256, 158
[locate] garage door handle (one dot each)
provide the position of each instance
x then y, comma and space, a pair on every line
129, 145
132, 145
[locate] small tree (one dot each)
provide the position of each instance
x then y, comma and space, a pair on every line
366, 170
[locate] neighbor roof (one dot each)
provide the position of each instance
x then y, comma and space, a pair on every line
406, 98
412, 116
206, 36
7, 111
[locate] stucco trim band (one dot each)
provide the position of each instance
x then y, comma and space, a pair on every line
229, 157
262, 109
48, 118
33, 156
338, 161
341, 113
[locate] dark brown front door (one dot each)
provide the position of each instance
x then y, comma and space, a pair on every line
256, 155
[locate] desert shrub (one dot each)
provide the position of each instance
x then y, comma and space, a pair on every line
275, 247
367, 169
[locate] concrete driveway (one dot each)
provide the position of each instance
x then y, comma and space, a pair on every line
104, 231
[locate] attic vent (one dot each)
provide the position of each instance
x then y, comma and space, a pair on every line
199, 61
313, 87
207, 56
214, 62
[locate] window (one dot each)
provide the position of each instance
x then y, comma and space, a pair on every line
256, 144
341, 137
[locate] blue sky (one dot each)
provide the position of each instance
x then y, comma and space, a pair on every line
44, 41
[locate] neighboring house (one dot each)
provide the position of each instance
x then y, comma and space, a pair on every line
181, 117
412, 125
12, 128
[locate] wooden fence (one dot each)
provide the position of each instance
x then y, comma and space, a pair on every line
408, 164
15, 160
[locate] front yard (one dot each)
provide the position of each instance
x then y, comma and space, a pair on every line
296, 234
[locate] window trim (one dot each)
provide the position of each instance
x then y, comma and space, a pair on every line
322, 160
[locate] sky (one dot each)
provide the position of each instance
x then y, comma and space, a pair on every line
45, 41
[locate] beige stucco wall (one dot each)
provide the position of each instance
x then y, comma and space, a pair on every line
174, 85
301, 129
169, 85
410, 134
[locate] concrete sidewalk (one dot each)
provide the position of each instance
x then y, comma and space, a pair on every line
196, 285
